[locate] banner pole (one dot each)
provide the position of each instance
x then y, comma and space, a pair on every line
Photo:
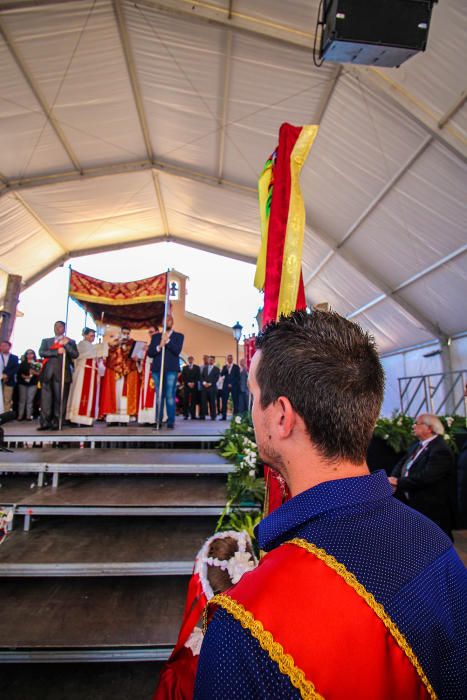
62, 382
161, 375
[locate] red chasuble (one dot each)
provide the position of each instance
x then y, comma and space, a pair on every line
323, 629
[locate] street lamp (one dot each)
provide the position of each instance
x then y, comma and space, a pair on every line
237, 334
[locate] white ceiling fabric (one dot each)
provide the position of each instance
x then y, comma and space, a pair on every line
129, 122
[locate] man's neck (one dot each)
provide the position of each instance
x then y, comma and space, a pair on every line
305, 467
427, 440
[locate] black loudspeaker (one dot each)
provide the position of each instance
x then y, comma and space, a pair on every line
374, 32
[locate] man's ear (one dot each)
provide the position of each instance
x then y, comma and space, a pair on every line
285, 416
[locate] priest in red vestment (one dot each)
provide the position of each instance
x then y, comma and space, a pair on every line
120, 387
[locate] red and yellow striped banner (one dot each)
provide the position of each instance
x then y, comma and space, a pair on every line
282, 214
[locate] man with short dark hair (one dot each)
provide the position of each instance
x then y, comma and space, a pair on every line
173, 344
357, 596
231, 386
191, 376
55, 351
8, 367
209, 377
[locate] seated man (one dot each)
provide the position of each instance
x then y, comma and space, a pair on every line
357, 596
425, 479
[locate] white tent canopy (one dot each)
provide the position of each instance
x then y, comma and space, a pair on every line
124, 123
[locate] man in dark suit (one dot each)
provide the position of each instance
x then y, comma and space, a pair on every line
191, 376
231, 374
173, 344
8, 366
425, 478
209, 376
56, 351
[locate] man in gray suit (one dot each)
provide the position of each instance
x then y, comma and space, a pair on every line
56, 351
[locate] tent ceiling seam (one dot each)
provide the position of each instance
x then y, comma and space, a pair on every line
202, 12
132, 74
47, 111
40, 221
431, 327
161, 201
377, 82
452, 111
133, 244
225, 103
327, 97
212, 249
373, 278
415, 278
431, 268
237, 21
373, 204
58, 262
48, 180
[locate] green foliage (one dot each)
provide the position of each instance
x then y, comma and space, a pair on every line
397, 431
245, 485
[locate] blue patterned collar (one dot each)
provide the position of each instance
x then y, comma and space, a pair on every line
319, 500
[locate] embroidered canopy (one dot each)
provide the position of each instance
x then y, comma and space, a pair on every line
136, 304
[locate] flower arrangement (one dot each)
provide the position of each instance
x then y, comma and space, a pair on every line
245, 485
397, 431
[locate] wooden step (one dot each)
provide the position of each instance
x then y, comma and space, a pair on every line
57, 681
90, 615
112, 461
119, 495
105, 547
196, 432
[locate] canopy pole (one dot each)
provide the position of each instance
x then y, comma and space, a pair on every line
64, 360
161, 375
10, 304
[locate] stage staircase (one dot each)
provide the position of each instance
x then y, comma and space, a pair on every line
106, 526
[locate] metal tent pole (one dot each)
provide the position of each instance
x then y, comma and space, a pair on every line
64, 360
161, 375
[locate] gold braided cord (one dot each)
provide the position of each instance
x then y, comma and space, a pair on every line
266, 640
369, 598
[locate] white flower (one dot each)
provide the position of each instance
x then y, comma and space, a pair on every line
449, 421
399, 422
195, 640
238, 420
252, 472
385, 436
239, 564
446, 437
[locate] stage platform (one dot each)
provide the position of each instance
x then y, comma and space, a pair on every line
90, 619
199, 433
105, 547
117, 495
101, 572
45, 461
